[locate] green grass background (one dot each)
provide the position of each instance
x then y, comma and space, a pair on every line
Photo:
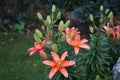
15, 60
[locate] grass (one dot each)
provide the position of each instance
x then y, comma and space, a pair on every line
15, 62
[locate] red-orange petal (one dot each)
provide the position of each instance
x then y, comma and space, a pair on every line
84, 46
64, 72
67, 31
76, 49
43, 55
69, 41
49, 63
37, 45
55, 57
32, 51
52, 72
32, 48
46, 42
68, 63
84, 41
64, 55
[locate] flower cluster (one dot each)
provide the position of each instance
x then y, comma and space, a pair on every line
60, 64
73, 38
64, 36
112, 31
59, 46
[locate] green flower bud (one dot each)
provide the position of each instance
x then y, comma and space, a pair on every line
53, 8
63, 37
43, 27
101, 8
58, 15
91, 29
72, 35
38, 33
67, 23
106, 11
101, 20
110, 15
49, 19
97, 77
47, 23
91, 17
60, 27
39, 16
37, 39
54, 47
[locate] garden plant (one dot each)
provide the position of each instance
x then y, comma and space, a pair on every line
69, 56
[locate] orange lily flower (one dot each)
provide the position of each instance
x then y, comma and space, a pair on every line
38, 47
58, 64
75, 41
116, 34
107, 29
78, 43
68, 31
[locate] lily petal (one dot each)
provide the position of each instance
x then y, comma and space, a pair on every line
52, 72
68, 63
84, 40
55, 56
32, 48
84, 46
33, 51
37, 45
43, 55
67, 30
46, 42
48, 62
64, 55
64, 72
76, 49
68, 40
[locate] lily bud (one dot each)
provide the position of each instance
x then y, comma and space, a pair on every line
37, 39
101, 8
101, 20
91, 29
91, 17
53, 8
47, 23
97, 77
67, 23
58, 15
39, 16
63, 37
72, 35
54, 47
60, 27
49, 19
110, 15
38, 33
48, 34
106, 11
43, 27
43, 55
